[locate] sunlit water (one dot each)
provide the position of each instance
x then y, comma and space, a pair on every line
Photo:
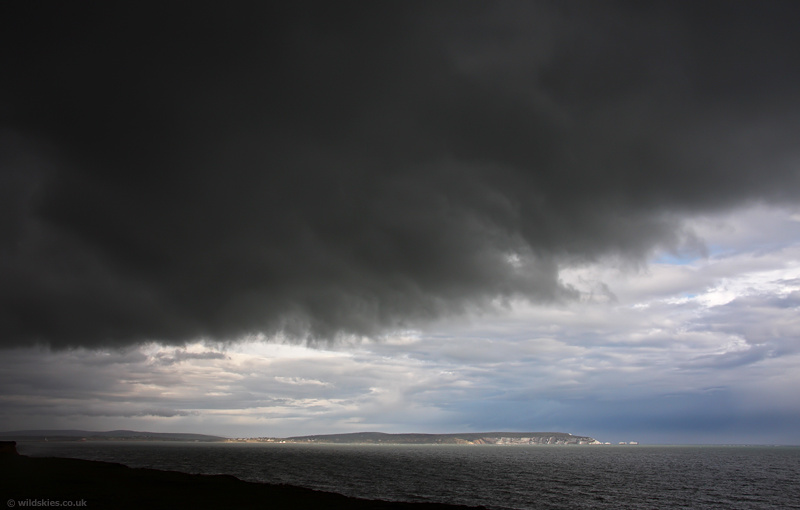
498, 477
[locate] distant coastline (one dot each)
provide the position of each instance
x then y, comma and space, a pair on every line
111, 435
499, 438
465, 438
502, 438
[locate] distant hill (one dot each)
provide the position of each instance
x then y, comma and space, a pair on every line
123, 435
502, 438
462, 438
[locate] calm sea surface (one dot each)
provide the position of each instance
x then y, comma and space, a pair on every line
498, 477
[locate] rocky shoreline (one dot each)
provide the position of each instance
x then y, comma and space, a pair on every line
48, 482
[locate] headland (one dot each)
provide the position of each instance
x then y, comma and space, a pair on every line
34, 481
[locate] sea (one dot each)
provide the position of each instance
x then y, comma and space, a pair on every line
530, 477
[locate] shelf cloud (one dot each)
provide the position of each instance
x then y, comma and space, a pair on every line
173, 172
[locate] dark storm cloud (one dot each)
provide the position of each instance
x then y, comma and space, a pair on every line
181, 170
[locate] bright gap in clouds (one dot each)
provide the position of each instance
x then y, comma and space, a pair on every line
701, 350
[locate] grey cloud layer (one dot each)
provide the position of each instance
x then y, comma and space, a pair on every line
665, 372
172, 173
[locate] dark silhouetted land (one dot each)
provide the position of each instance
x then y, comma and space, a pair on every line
110, 485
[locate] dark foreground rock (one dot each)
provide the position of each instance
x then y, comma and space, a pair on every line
41, 482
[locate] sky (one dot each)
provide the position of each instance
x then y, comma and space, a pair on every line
249, 219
